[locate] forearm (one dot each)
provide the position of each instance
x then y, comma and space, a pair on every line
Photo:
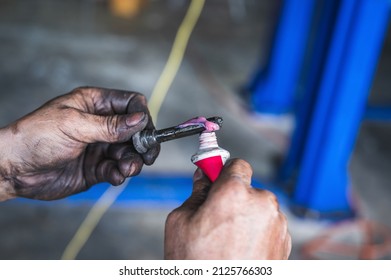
6, 188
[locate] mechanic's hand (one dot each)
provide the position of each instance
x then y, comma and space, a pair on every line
227, 220
73, 142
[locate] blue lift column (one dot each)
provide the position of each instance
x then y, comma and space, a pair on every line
324, 80
273, 86
322, 183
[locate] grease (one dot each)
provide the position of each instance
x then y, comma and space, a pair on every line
208, 125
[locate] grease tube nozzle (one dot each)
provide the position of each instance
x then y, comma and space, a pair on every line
210, 158
146, 139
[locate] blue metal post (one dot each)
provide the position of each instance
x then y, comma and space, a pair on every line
322, 184
274, 90
322, 27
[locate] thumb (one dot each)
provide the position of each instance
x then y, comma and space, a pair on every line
234, 178
201, 186
111, 129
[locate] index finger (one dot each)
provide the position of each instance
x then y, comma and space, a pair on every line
104, 101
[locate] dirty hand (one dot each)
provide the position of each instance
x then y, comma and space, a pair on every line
227, 220
73, 142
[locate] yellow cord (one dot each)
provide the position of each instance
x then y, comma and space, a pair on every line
175, 58
90, 222
158, 95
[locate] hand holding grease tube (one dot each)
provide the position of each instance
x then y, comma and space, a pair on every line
227, 220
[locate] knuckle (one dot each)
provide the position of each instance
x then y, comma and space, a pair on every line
110, 127
271, 198
140, 96
268, 201
244, 164
241, 166
234, 191
80, 92
173, 217
126, 95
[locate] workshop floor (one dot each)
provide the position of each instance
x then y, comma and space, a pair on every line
50, 47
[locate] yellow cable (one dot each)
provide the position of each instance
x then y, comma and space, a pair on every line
175, 58
90, 222
158, 95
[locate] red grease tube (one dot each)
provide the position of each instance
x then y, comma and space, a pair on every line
210, 158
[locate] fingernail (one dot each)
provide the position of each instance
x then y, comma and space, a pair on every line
132, 169
135, 118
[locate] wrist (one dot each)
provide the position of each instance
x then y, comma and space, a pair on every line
6, 186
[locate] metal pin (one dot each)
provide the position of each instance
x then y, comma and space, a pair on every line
147, 139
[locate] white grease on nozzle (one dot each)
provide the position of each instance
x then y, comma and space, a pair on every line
210, 157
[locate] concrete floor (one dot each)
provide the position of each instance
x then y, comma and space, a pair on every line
50, 47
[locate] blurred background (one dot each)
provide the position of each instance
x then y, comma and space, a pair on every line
303, 87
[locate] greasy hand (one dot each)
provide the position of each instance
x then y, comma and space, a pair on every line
227, 220
75, 141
